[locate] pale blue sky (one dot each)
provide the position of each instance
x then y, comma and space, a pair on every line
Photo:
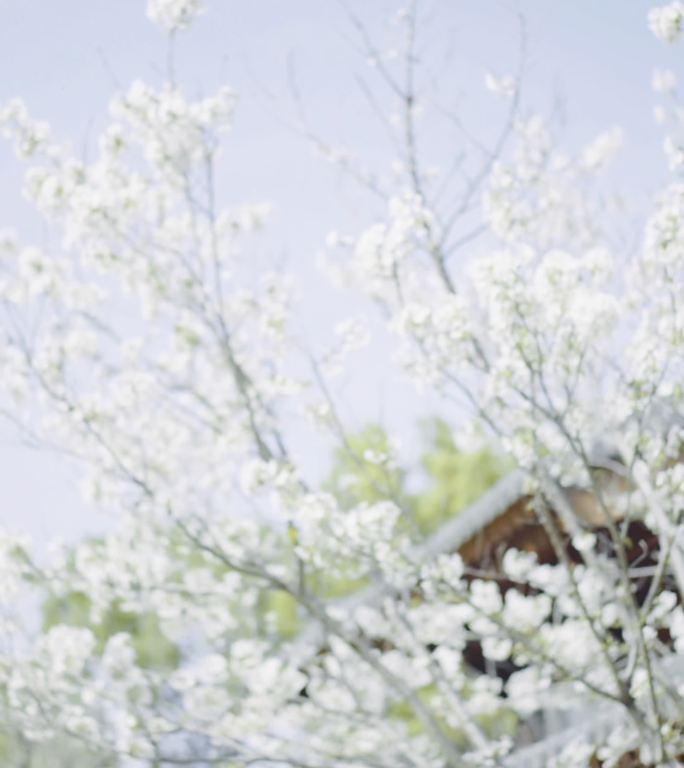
66, 58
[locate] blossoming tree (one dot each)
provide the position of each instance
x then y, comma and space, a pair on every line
148, 348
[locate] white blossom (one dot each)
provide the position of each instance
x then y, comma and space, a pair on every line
173, 14
665, 21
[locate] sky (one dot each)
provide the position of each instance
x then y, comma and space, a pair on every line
588, 62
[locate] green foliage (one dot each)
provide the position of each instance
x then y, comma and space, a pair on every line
456, 478
17, 752
358, 473
6, 748
283, 607
453, 478
403, 711
153, 650
502, 722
